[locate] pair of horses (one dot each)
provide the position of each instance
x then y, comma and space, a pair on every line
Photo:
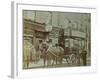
53, 55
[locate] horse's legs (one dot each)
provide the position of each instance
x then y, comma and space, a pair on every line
44, 60
49, 59
56, 60
53, 61
44, 57
60, 59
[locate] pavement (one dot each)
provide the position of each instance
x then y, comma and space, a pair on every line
40, 64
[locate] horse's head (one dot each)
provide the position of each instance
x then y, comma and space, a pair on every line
61, 50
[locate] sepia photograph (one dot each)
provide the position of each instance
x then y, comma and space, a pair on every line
53, 39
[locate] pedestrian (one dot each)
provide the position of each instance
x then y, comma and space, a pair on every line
27, 53
84, 57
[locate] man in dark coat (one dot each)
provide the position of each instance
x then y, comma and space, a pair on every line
84, 57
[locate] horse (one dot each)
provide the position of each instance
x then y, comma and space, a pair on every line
53, 54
